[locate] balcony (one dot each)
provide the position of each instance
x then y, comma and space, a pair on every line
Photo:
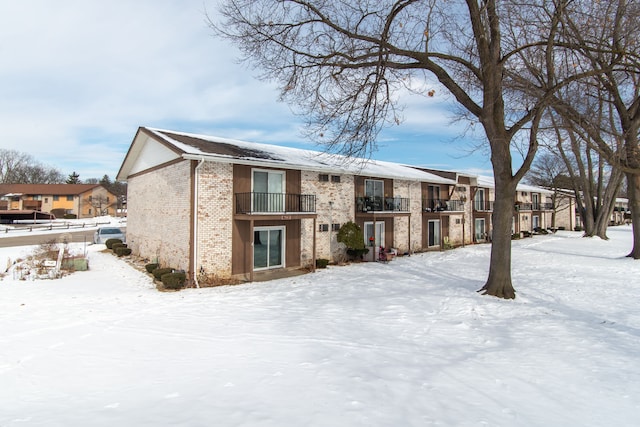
524, 207
32, 205
274, 203
382, 204
483, 205
438, 205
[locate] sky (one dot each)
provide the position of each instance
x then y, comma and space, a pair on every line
406, 343
79, 77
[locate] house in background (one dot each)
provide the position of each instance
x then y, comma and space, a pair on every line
77, 200
225, 209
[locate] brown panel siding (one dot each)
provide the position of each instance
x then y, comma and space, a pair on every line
242, 261
241, 179
241, 247
359, 185
294, 185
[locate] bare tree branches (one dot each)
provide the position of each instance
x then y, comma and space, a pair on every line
21, 168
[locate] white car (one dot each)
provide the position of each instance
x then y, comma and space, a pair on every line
105, 233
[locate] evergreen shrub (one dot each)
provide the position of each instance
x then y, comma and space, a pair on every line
158, 272
117, 245
152, 266
173, 280
351, 235
109, 242
322, 263
122, 251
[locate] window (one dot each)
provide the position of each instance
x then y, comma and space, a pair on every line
335, 227
323, 177
268, 191
480, 233
46, 200
378, 235
268, 247
69, 198
434, 232
434, 192
56, 198
335, 178
373, 188
323, 227
478, 200
37, 197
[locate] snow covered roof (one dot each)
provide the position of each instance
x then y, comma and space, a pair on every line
45, 189
487, 181
195, 146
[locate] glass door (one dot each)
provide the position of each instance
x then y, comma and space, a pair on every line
378, 234
268, 191
374, 194
268, 247
434, 232
480, 233
479, 200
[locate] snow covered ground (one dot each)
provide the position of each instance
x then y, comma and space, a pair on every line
409, 343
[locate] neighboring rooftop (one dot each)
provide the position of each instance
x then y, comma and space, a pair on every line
42, 189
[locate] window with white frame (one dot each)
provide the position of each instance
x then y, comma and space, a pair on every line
268, 189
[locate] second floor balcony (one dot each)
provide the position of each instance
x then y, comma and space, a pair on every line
32, 205
382, 204
483, 205
274, 203
439, 205
535, 206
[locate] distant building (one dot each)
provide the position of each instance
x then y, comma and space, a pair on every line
78, 200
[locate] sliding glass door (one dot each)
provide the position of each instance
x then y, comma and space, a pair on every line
268, 247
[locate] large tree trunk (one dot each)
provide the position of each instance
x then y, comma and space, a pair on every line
633, 190
499, 281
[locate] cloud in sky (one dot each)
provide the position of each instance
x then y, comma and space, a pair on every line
79, 77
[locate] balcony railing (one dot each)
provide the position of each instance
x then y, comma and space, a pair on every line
382, 204
272, 203
483, 205
438, 205
524, 206
34, 205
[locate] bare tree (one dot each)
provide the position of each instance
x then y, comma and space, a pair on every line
21, 168
100, 203
606, 37
549, 170
595, 182
344, 63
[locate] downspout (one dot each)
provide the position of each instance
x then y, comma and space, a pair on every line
194, 243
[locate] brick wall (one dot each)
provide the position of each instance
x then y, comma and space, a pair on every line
335, 204
215, 219
158, 212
